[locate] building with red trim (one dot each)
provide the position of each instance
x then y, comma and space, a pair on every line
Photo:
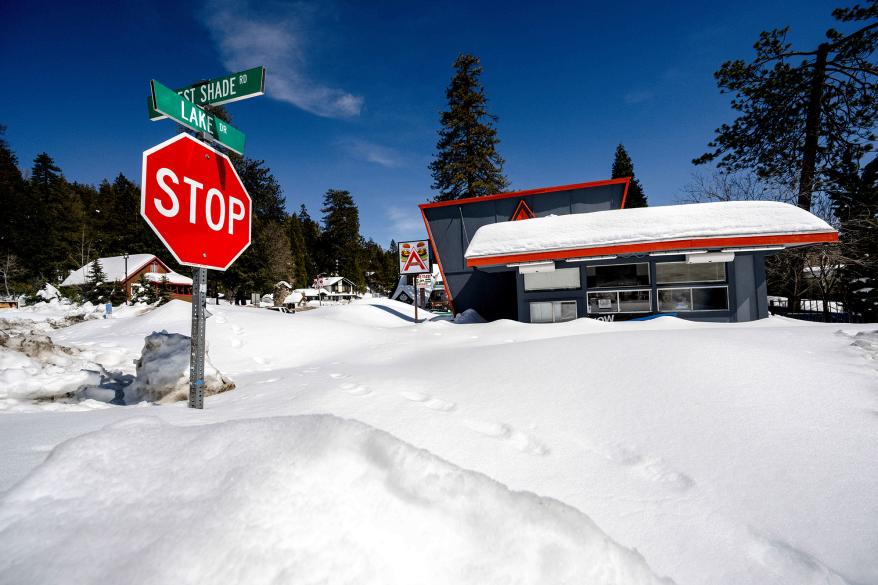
127, 271
573, 251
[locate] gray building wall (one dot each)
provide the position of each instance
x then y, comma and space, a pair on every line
493, 293
745, 278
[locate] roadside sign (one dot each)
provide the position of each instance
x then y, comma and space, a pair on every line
423, 280
190, 115
221, 90
414, 257
193, 199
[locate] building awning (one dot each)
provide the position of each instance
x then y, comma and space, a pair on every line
727, 225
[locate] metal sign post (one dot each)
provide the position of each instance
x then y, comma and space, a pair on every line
415, 290
196, 355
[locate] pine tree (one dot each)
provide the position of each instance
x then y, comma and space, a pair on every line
855, 204
467, 163
315, 258
95, 283
801, 111
623, 167
298, 252
164, 292
13, 229
341, 235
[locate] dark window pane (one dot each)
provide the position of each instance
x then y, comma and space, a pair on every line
618, 275
603, 302
675, 299
634, 301
673, 272
710, 299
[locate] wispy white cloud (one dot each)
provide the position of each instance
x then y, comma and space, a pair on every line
275, 38
638, 96
405, 221
371, 152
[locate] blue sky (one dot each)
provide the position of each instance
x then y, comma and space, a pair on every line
354, 88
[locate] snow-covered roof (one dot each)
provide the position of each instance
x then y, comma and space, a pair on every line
308, 292
627, 231
113, 266
173, 277
293, 298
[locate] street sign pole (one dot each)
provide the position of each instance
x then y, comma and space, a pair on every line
196, 352
415, 290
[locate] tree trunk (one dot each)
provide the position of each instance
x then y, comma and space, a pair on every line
812, 129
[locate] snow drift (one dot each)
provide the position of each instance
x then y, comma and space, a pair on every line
307, 499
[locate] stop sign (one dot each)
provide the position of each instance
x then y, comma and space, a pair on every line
191, 196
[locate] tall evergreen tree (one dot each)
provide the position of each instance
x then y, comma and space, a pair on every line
801, 111
265, 191
298, 252
315, 259
13, 229
55, 213
855, 203
467, 163
341, 235
623, 167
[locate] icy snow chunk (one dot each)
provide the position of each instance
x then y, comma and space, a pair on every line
469, 316
49, 293
162, 373
34, 368
306, 499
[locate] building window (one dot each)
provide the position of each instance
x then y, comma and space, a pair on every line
613, 275
552, 311
620, 301
703, 298
677, 272
558, 279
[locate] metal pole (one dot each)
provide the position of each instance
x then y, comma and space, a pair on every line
415, 290
196, 353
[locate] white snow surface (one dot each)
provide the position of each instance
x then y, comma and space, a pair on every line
113, 266
308, 499
173, 277
723, 453
644, 224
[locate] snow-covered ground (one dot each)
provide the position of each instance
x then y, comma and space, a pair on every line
721, 453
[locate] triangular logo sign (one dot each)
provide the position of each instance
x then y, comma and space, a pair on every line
522, 211
414, 260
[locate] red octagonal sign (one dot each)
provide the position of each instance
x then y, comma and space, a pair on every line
194, 200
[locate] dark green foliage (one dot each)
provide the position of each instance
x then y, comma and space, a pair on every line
51, 226
467, 163
96, 287
800, 112
144, 291
623, 167
341, 236
164, 290
854, 197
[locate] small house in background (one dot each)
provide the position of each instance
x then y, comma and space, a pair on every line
339, 288
128, 270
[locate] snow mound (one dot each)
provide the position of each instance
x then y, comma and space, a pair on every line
469, 316
162, 373
32, 367
306, 499
49, 293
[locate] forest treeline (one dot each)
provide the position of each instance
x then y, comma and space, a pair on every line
51, 225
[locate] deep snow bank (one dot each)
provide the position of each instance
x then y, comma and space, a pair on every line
307, 499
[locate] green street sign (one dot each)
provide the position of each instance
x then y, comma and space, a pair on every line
169, 103
222, 90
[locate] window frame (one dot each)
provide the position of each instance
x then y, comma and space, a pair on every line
691, 299
612, 287
725, 277
617, 291
552, 310
540, 290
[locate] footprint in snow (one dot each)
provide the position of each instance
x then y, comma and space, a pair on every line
337, 376
235, 342
650, 468
237, 329
261, 360
267, 381
429, 401
219, 318
354, 389
524, 442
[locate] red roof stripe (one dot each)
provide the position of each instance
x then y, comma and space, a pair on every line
623, 180
661, 246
